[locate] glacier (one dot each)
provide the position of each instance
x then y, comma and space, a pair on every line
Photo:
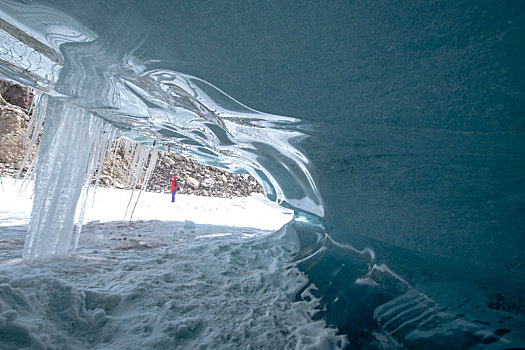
394, 130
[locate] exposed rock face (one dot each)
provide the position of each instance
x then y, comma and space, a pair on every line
13, 126
15, 95
12, 134
193, 178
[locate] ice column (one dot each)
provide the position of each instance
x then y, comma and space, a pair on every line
70, 139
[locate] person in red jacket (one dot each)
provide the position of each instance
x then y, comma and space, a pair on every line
174, 187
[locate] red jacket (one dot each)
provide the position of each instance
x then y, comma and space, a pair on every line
174, 184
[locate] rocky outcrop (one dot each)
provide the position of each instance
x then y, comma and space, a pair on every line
193, 178
16, 95
13, 126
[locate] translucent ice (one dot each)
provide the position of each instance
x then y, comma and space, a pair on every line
70, 147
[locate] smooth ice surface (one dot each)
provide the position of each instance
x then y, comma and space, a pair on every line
399, 126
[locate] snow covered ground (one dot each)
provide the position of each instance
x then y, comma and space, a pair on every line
156, 284
112, 204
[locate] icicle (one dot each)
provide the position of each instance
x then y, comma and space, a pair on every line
133, 166
29, 174
143, 154
115, 156
131, 169
64, 165
37, 120
151, 166
99, 148
94, 162
127, 144
106, 139
136, 168
37, 113
33, 110
82, 209
129, 151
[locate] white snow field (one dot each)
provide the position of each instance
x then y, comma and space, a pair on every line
166, 280
112, 205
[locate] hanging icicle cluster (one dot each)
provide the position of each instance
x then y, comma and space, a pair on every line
140, 155
72, 150
96, 161
37, 111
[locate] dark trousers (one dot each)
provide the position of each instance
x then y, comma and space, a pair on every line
173, 195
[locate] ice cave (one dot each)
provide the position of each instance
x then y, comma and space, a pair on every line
394, 131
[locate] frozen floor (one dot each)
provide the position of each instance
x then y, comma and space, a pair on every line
158, 285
